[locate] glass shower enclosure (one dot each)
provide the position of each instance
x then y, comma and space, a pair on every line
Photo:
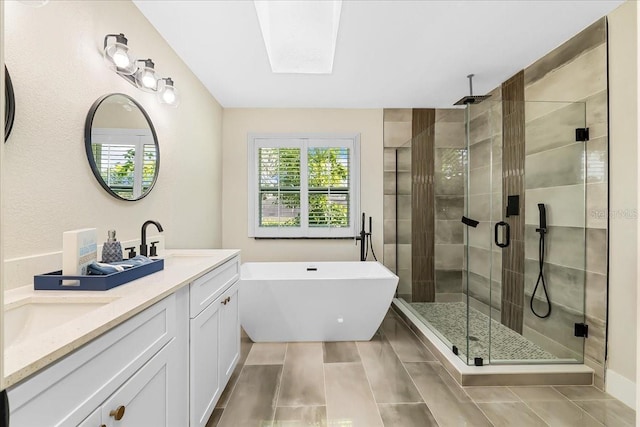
489, 236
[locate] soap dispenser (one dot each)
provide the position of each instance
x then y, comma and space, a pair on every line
111, 250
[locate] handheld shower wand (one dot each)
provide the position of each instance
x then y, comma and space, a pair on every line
543, 231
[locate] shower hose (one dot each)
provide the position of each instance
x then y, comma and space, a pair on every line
541, 279
369, 244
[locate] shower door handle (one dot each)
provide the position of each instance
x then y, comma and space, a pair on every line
497, 233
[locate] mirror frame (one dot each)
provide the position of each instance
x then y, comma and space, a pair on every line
9, 104
89, 151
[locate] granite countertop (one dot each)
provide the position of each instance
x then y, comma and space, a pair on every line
88, 314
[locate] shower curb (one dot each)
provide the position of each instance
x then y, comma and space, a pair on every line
493, 375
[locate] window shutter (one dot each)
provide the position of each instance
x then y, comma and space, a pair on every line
329, 186
279, 187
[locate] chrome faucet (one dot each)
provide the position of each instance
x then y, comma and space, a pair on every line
143, 235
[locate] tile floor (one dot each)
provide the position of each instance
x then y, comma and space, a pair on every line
393, 380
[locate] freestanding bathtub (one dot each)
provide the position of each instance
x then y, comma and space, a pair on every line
318, 301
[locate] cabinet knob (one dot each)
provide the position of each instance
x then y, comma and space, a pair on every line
117, 413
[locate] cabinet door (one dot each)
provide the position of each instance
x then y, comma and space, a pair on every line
229, 333
144, 400
204, 386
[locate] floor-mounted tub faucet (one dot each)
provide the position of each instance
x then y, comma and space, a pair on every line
143, 235
365, 240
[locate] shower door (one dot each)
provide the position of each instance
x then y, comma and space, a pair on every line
525, 259
483, 194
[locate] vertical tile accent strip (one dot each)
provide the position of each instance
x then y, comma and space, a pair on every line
422, 206
513, 156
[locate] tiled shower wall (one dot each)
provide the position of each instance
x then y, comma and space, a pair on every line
513, 159
397, 137
577, 72
448, 154
423, 215
450, 157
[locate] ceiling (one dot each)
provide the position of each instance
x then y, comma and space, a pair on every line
389, 54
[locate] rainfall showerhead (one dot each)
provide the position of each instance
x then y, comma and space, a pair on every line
471, 98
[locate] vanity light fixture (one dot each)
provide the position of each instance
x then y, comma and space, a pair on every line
139, 72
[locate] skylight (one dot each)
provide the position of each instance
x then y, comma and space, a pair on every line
300, 36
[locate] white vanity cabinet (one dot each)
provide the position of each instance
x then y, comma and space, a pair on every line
134, 366
214, 333
164, 367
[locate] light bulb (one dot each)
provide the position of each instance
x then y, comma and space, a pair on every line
148, 80
120, 58
167, 93
117, 56
169, 96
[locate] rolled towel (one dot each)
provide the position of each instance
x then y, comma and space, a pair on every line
133, 262
101, 269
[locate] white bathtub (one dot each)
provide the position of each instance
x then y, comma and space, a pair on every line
290, 301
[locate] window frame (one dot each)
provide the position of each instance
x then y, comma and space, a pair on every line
255, 141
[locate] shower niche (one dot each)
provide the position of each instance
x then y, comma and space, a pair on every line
486, 227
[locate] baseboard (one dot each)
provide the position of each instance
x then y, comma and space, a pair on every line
621, 388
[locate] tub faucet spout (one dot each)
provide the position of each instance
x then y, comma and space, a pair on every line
143, 235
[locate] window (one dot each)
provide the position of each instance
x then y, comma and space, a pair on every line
303, 185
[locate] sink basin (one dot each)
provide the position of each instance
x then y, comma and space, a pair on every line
30, 318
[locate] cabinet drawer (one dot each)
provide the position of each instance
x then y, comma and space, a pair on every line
67, 391
207, 288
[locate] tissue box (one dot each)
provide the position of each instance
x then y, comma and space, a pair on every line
79, 249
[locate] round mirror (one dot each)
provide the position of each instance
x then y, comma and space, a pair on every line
122, 147
9, 104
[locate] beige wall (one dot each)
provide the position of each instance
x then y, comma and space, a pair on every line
623, 142
239, 122
54, 56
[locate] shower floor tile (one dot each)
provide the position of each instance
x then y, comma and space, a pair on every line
449, 319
